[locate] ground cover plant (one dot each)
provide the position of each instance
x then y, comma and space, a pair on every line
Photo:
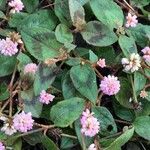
74, 74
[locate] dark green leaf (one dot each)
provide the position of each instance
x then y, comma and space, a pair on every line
30, 5
84, 80
107, 123
127, 45
4, 93
98, 34
41, 43
31, 103
108, 12
7, 65
62, 12
44, 77
142, 126
63, 34
66, 112
68, 88
49, 144
125, 93
121, 140
139, 81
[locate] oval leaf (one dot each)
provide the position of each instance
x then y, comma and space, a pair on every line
84, 80
98, 34
66, 112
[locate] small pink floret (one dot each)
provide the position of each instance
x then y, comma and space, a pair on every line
131, 20
45, 97
17, 5
23, 122
146, 52
101, 63
2, 147
8, 47
89, 124
110, 85
30, 68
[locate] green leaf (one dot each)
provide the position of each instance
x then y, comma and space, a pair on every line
44, 77
121, 140
106, 52
76, 12
17, 144
2, 15
127, 45
4, 93
2, 4
97, 34
140, 3
43, 18
23, 60
125, 93
31, 103
33, 138
7, 65
108, 12
124, 113
140, 34
92, 56
63, 34
67, 143
48, 143
41, 43
145, 111
30, 5
139, 81
16, 19
68, 88
3, 136
84, 80
107, 123
66, 112
62, 12
142, 126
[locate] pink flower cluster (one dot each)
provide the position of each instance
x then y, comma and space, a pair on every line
16, 5
90, 125
146, 52
45, 97
131, 20
2, 147
101, 63
8, 47
30, 68
23, 122
110, 85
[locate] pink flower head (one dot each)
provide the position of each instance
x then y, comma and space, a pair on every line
30, 68
17, 5
131, 20
146, 52
2, 147
45, 97
8, 47
110, 85
92, 147
23, 122
89, 124
101, 63
143, 94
